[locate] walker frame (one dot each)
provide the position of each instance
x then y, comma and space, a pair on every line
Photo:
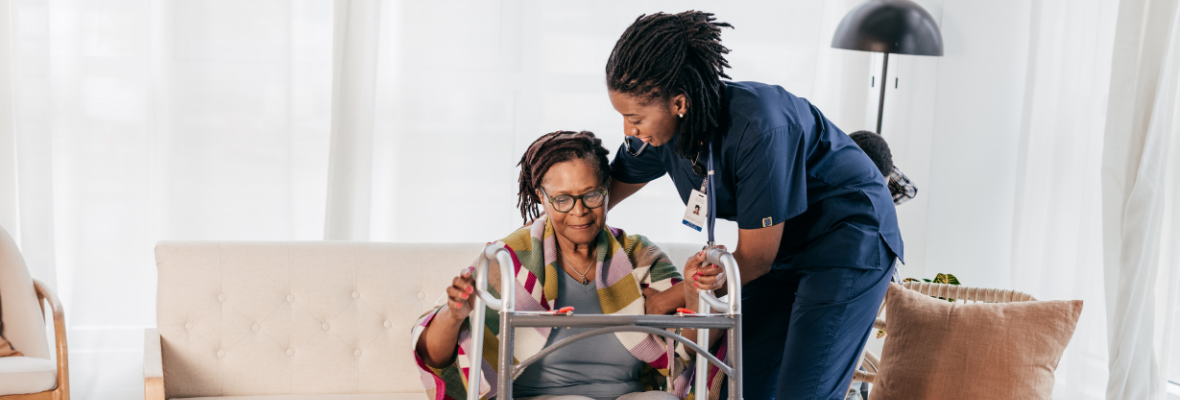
714, 314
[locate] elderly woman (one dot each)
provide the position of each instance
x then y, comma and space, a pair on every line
575, 260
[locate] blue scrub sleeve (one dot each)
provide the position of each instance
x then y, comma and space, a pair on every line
630, 169
770, 177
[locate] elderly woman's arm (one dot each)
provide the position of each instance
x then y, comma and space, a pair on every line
438, 342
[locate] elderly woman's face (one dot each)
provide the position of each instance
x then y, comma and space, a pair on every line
581, 224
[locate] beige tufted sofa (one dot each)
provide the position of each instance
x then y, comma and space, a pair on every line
297, 320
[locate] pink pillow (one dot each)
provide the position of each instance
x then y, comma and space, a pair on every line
941, 350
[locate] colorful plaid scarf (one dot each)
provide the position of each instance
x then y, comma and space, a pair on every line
626, 264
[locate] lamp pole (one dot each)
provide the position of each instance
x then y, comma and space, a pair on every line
881, 100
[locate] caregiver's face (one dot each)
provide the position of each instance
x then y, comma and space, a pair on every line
577, 177
651, 120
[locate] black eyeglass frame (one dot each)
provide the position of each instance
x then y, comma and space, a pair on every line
576, 199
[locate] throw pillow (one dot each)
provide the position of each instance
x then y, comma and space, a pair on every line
941, 350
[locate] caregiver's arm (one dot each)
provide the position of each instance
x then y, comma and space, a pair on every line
755, 254
621, 190
756, 250
438, 341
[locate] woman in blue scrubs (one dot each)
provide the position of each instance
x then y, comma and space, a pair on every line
818, 233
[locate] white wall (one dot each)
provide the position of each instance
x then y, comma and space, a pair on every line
953, 125
976, 126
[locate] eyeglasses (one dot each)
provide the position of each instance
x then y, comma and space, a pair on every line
564, 203
627, 146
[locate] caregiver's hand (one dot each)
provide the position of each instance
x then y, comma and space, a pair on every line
703, 275
460, 295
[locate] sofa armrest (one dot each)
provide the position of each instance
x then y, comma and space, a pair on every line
153, 366
46, 295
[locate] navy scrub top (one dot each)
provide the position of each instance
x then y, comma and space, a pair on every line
778, 160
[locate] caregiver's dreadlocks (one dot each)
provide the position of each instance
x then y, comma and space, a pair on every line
663, 55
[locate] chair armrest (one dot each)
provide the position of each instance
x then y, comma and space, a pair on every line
862, 376
153, 366
59, 331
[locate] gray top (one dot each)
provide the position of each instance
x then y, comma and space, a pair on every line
598, 367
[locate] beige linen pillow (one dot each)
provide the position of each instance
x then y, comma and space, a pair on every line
942, 350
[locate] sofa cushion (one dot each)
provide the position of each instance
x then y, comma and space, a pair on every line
365, 396
941, 350
23, 375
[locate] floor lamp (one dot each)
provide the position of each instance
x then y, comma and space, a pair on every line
888, 26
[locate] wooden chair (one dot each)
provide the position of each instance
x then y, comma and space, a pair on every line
25, 330
871, 361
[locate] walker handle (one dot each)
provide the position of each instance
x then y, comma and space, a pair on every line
483, 301
733, 281
501, 256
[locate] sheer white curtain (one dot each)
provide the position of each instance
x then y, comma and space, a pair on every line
139, 121
1141, 210
1057, 230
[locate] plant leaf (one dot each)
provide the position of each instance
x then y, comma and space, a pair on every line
910, 280
940, 278
952, 280
927, 280
880, 334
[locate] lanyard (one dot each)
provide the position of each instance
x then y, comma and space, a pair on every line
711, 215
703, 198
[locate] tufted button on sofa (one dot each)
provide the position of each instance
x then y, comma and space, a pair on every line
297, 320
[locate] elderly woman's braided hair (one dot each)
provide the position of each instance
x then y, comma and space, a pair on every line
549, 150
663, 55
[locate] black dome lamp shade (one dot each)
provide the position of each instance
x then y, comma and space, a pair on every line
889, 26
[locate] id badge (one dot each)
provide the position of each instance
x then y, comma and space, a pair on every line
697, 212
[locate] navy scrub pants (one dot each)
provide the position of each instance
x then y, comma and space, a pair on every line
803, 330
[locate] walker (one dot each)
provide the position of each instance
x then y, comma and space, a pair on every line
724, 315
